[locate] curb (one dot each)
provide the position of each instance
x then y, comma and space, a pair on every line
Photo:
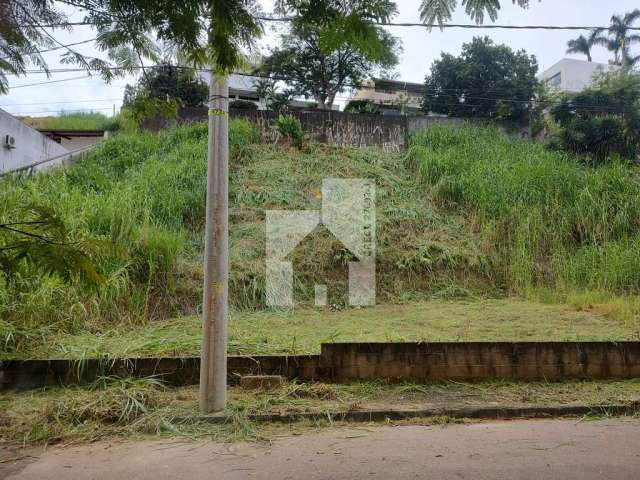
480, 413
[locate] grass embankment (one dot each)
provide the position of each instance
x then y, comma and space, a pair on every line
74, 121
145, 193
126, 407
546, 220
466, 213
302, 331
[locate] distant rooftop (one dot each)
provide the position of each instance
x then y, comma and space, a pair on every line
573, 75
383, 85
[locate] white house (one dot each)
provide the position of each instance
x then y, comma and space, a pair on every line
23, 146
241, 87
244, 87
571, 75
392, 96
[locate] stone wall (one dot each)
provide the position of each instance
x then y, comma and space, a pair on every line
481, 360
330, 127
347, 362
337, 128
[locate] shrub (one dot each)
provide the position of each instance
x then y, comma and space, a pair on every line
290, 128
144, 107
243, 105
362, 106
550, 220
603, 121
243, 137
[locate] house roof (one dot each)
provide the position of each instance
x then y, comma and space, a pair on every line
574, 62
398, 85
71, 133
241, 83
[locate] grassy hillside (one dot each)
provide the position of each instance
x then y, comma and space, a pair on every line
73, 121
466, 212
145, 193
547, 220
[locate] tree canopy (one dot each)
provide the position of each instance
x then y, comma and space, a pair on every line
326, 48
486, 80
617, 38
208, 32
621, 38
440, 11
603, 119
584, 44
169, 82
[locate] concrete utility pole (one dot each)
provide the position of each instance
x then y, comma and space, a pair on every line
213, 360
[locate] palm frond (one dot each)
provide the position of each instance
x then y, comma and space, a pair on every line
41, 239
434, 12
476, 9
437, 11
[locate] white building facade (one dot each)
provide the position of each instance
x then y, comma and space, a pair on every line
570, 75
23, 146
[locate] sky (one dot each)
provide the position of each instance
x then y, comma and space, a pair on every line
420, 49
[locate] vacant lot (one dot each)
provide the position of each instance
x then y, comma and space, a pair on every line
466, 215
303, 330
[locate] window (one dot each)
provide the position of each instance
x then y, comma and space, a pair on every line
555, 80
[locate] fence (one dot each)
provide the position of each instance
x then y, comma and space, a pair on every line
330, 127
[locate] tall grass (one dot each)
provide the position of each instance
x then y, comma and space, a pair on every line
75, 121
146, 194
547, 219
484, 214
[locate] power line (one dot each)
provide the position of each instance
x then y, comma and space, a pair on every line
465, 25
87, 110
82, 42
583, 107
61, 102
408, 24
48, 82
57, 25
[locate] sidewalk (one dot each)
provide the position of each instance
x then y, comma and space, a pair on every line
519, 450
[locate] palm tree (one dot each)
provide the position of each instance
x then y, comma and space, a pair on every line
620, 38
584, 44
580, 45
439, 11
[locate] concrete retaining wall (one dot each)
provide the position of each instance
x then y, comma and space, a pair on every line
481, 360
337, 128
31, 147
330, 127
177, 371
345, 362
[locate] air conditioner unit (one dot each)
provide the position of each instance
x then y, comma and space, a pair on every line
9, 142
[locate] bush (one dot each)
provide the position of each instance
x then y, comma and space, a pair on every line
243, 105
362, 106
551, 221
243, 136
290, 128
144, 107
603, 121
75, 121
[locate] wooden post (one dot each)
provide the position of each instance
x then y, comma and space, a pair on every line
213, 361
